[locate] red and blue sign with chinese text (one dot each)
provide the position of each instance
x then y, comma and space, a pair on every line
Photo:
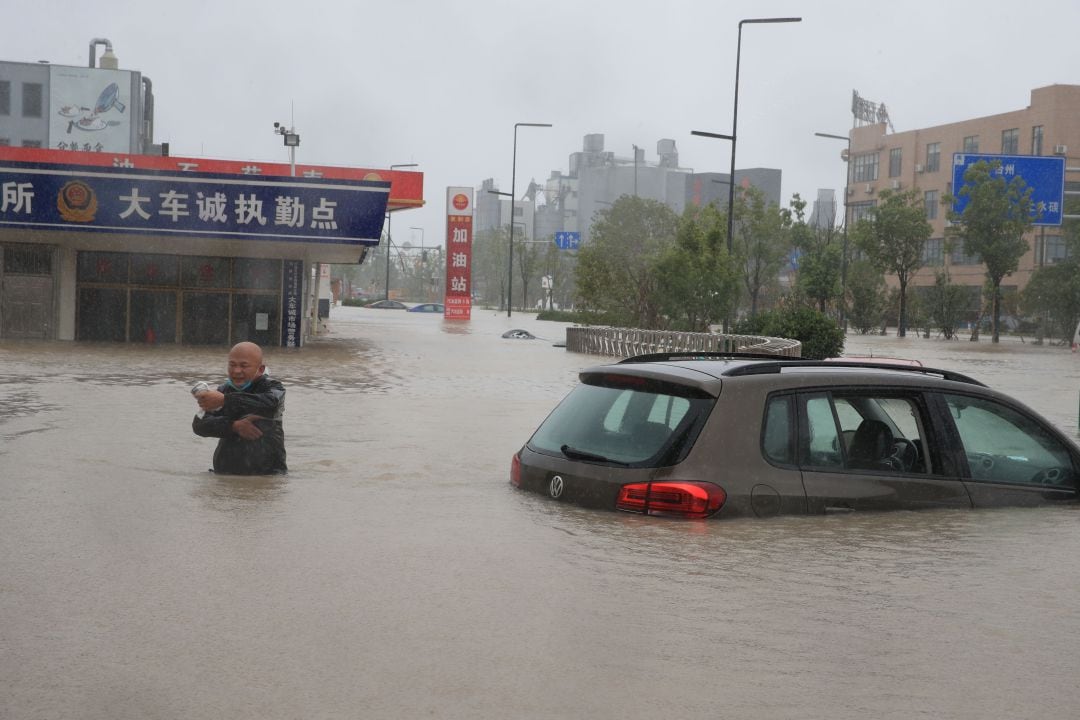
459, 228
129, 200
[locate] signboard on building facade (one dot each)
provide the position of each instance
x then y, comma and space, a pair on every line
867, 112
459, 228
72, 197
291, 302
1044, 175
91, 109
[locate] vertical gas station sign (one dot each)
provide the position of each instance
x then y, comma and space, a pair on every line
459, 229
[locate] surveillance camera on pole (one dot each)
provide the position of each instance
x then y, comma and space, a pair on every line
292, 141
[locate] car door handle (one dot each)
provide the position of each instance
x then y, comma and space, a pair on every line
838, 509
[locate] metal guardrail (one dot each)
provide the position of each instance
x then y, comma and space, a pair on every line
627, 342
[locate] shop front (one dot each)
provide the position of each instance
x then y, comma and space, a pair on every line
190, 299
143, 254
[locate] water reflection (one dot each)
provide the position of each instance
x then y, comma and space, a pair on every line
456, 327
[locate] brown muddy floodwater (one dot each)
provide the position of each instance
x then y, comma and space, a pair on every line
394, 573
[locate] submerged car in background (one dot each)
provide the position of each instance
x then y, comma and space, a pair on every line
428, 308
709, 435
387, 305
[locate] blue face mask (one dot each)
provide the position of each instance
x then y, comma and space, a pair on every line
241, 388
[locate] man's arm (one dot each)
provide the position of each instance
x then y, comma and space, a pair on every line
212, 425
219, 426
264, 403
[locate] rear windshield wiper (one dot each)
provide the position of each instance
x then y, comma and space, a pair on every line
575, 454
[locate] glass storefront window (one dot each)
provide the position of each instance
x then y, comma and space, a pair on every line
159, 298
153, 316
102, 315
255, 318
102, 267
205, 272
205, 318
27, 259
155, 269
257, 274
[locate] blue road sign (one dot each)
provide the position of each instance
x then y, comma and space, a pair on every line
1045, 175
567, 240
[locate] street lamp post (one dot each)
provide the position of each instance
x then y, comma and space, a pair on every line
730, 181
386, 291
291, 138
513, 179
506, 194
844, 259
635, 169
735, 114
423, 262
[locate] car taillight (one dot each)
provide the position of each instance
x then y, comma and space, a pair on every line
515, 470
673, 497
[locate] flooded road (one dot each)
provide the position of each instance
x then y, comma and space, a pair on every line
394, 573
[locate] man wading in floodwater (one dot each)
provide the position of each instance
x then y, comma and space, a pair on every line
245, 415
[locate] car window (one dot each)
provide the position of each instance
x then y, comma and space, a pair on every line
1004, 445
613, 420
822, 446
882, 432
848, 417
669, 410
865, 430
664, 409
623, 424
777, 433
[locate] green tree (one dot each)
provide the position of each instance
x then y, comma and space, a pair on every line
820, 335
819, 274
866, 286
527, 258
993, 223
559, 265
893, 237
616, 267
947, 303
762, 241
1054, 291
918, 312
696, 280
370, 276
820, 258
489, 265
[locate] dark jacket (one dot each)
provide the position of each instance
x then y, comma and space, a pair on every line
235, 455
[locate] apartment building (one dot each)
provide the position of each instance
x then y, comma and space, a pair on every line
923, 159
597, 177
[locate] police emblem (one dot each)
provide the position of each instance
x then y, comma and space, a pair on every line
77, 202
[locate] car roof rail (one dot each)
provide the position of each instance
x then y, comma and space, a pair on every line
697, 355
776, 366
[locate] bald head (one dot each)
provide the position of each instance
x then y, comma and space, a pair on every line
247, 349
245, 363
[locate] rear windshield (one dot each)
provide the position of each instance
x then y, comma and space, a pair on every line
625, 420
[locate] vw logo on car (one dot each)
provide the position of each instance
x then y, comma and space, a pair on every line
556, 487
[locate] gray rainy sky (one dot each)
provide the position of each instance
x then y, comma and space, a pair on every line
441, 83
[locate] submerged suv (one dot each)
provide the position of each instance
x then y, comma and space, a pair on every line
709, 435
